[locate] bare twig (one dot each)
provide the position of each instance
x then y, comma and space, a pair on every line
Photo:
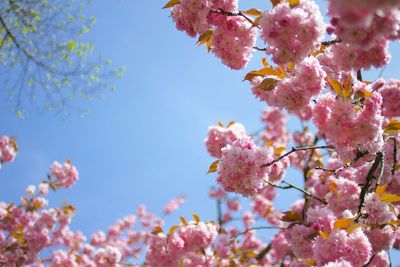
263, 252
394, 153
359, 75
360, 154
306, 167
331, 42
259, 49
258, 228
289, 185
368, 182
234, 14
295, 149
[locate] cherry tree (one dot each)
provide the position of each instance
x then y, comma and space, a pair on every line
347, 167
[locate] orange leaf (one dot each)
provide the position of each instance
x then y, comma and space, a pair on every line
291, 216
213, 167
172, 3
156, 230
253, 12
279, 150
324, 234
173, 229
183, 221
205, 37
380, 189
389, 198
393, 126
343, 223
196, 218
230, 124
267, 84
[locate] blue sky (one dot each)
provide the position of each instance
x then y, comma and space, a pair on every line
143, 143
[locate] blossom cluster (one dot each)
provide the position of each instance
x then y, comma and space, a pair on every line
292, 32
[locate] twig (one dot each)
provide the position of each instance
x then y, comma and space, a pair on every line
370, 260
233, 14
306, 168
259, 49
295, 149
331, 42
394, 153
289, 185
360, 154
263, 252
258, 228
359, 75
368, 182
304, 192
219, 213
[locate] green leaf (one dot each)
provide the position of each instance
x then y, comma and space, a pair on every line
71, 45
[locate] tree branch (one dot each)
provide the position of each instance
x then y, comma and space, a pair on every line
295, 149
233, 14
289, 185
368, 182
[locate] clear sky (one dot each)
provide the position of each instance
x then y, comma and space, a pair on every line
143, 143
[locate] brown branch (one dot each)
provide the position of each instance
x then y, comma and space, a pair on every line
368, 182
331, 42
263, 252
295, 149
370, 260
360, 154
289, 185
394, 153
234, 14
306, 167
259, 49
258, 228
359, 75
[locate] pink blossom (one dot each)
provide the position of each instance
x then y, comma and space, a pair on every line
381, 239
218, 137
240, 169
299, 238
8, 149
353, 247
346, 57
344, 197
198, 236
275, 132
378, 211
390, 92
347, 127
292, 32
108, 257
294, 92
174, 204
233, 42
320, 218
341, 263
66, 174
190, 16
